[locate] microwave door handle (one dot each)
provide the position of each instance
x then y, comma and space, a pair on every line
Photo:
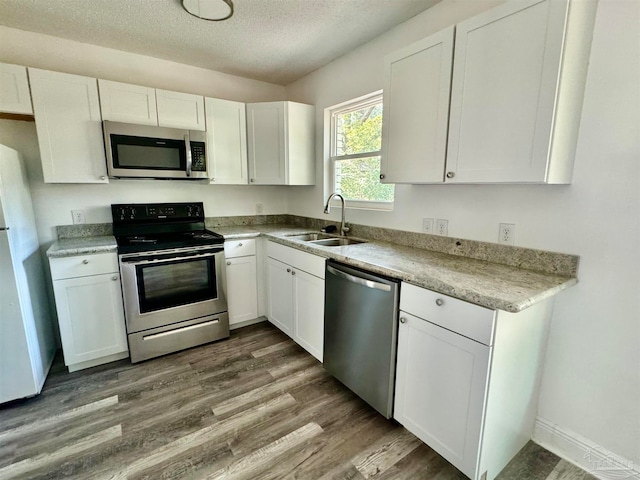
187, 146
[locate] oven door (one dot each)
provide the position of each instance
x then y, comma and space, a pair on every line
165, 287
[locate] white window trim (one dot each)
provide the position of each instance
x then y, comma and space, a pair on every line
351, 105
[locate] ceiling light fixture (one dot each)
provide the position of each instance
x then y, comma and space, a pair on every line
214, 10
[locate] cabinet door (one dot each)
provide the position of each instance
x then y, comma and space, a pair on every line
416, 110
505, 76
226, 141
91, 317
242, 291
266, 144
67, 112
280, 295
308, 312
122, 102
441, 383
14, 89
180, 110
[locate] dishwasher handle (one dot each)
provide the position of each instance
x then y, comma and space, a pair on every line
360, 281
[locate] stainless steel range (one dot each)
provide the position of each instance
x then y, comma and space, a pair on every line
171, 269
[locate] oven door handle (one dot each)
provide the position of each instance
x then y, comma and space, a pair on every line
150, 260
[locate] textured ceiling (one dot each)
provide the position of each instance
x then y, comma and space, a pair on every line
275, 41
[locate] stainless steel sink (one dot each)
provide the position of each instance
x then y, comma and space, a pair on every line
336, 242
310, 237
324, 239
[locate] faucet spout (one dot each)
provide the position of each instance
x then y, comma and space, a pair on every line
327, 208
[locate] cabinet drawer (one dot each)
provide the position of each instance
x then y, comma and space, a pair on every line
239, 248
83, 265
462, 317
307, 262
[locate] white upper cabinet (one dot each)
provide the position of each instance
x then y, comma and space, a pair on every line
416, 110
14, 89
280, 143
180, 110
226, 141
67, 113
518, 82
123, 102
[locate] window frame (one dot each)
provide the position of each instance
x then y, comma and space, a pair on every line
346, 107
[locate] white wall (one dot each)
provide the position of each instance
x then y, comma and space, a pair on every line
53, 202
591, 383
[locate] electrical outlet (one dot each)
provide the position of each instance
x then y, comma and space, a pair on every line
442, 227
507, 233
77, 216
259, 209
427, 225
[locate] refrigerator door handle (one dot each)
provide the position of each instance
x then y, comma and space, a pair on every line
3, 229
360, 281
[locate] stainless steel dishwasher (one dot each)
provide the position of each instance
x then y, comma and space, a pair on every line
360, 333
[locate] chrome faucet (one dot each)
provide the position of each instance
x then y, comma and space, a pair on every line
327, 208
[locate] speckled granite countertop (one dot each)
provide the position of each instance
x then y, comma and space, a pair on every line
486, 283
66, 247
491, 285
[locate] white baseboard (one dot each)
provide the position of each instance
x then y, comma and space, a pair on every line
584, 453
246, 323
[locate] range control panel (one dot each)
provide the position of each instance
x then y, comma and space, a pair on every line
157, 212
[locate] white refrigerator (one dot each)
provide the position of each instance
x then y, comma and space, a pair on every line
27, 342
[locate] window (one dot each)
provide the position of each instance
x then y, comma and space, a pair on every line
356, 141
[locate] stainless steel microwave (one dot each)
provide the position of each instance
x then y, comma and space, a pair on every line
143, 151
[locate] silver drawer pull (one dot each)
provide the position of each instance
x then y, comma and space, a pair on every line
228, 263
288, 270
85, 261
183, 329
114, 278
240, 244
439, 302
403, 320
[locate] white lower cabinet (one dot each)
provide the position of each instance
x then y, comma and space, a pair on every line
467, 378
90, 312
241, 281
441, 380
296, 295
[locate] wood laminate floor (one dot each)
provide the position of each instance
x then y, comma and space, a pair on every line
255, 406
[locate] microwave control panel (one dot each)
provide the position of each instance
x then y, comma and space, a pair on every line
198, 157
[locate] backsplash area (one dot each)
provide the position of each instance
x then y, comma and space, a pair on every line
530, 259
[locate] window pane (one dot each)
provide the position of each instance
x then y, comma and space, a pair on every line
359, 179
359, 131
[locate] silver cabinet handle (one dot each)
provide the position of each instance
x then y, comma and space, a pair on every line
382, 176
360, 281
228, 263
293, 272
252, 180
213, 179
240, 244
102, 177
114, 278
288, 270
451, 174
403, 320
439, 302
85, 261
